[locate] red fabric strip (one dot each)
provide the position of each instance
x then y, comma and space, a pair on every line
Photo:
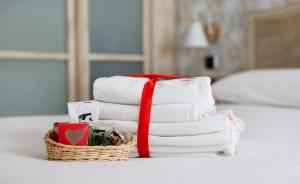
157, 76
145, 111
144, 118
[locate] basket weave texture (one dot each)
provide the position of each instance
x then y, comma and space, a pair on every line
57, 151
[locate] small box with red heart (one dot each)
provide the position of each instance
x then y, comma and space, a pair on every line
76, 134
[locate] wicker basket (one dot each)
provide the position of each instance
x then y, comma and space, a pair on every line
57, 151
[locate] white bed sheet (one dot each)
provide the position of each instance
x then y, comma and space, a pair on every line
269, 153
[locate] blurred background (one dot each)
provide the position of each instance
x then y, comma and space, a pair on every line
51, 51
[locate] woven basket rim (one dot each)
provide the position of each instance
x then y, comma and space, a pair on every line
130, 144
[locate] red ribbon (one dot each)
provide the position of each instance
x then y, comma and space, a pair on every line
145, 110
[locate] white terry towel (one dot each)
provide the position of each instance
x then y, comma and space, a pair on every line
159, 113
185, 155
128, 90
177, 151
217, 138
189, 149
227, 148
209, 124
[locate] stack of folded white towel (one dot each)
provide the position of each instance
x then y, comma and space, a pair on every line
183, 122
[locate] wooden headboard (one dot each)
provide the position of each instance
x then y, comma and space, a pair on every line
274, 38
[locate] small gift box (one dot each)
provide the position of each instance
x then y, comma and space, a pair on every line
76, 134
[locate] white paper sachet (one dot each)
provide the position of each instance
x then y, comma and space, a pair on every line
85, 111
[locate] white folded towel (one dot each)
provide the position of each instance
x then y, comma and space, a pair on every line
189, 149
209, 124
217, 138
128, 90
182, 155
159, 113
229, 135
174, 151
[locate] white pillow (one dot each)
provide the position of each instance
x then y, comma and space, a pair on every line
270, 86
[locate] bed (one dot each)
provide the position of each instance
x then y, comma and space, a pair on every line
269, 152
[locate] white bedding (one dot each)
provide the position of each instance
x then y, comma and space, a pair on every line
269, 153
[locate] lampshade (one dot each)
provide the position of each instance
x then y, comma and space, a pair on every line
196, 36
